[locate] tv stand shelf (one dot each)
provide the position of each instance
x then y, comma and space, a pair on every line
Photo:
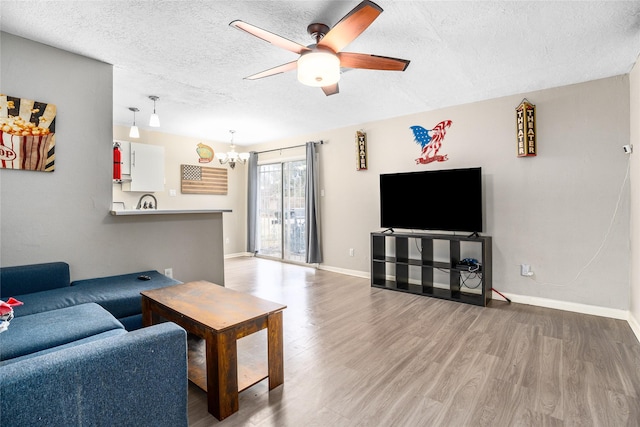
391, 252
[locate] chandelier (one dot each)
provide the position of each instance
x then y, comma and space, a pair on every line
232, 157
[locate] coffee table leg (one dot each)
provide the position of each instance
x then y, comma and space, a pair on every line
222, 373
148, 316
275, 350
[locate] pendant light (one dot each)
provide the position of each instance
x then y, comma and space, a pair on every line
154, 120
133, 132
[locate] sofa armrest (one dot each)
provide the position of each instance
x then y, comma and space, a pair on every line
26, 279
135, 379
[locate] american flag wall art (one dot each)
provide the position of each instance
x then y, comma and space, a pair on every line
203, 180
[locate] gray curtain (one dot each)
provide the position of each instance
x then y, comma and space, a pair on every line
252, 201
312, 208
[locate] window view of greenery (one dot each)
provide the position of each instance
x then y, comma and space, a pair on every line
281, 212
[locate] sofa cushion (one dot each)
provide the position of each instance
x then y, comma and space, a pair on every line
100, 336
25, 279
30, 334
53, 299
120, 295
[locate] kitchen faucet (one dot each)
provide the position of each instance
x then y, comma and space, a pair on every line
151, 205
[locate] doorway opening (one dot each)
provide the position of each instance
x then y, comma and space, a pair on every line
281, 211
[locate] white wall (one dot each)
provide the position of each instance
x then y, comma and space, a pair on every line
552, 211
181, 150
64, 215
634, 83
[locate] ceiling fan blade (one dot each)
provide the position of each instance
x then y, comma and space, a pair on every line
330, 90
275, 70
265, 35
372, 62
351, 26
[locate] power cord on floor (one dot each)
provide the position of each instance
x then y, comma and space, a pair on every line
498, 292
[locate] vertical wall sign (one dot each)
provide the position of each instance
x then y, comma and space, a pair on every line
27, 134
430, 140
526, 129
361, 150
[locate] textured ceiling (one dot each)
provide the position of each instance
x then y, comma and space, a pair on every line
460, 52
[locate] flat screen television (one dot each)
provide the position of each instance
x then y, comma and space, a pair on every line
442, 200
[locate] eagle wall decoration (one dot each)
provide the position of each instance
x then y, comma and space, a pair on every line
430, 140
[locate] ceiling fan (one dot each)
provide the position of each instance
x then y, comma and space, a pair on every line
319, 64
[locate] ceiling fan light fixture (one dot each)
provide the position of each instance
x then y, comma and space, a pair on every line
319, 68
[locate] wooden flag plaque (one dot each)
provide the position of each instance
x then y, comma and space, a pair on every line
203, 180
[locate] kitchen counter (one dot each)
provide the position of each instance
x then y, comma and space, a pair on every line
167, 211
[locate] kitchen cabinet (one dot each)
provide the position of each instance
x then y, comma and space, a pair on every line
146, 166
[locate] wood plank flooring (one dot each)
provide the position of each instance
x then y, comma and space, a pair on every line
360, 356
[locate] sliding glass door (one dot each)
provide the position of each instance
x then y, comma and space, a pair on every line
281, 210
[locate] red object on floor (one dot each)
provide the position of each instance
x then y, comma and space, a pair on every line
496, 291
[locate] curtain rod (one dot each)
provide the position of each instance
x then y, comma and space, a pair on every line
288, 148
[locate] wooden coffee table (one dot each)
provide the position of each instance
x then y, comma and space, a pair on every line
220, 316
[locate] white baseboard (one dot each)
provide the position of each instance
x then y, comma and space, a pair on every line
566, 306
524, 299
355, 273
238, 255
635, 325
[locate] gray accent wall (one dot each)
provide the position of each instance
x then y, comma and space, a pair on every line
64, 215
564, 212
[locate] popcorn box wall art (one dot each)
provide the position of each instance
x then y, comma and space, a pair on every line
27, 134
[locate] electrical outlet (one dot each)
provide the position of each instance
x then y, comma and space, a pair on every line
351, 252
168, 272
525, 270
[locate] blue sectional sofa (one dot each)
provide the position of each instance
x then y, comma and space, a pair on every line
67, 358
45, 287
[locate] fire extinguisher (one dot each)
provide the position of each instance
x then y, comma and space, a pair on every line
117, 159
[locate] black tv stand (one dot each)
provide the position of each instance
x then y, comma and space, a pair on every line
474, 235
390, 230
394, 267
